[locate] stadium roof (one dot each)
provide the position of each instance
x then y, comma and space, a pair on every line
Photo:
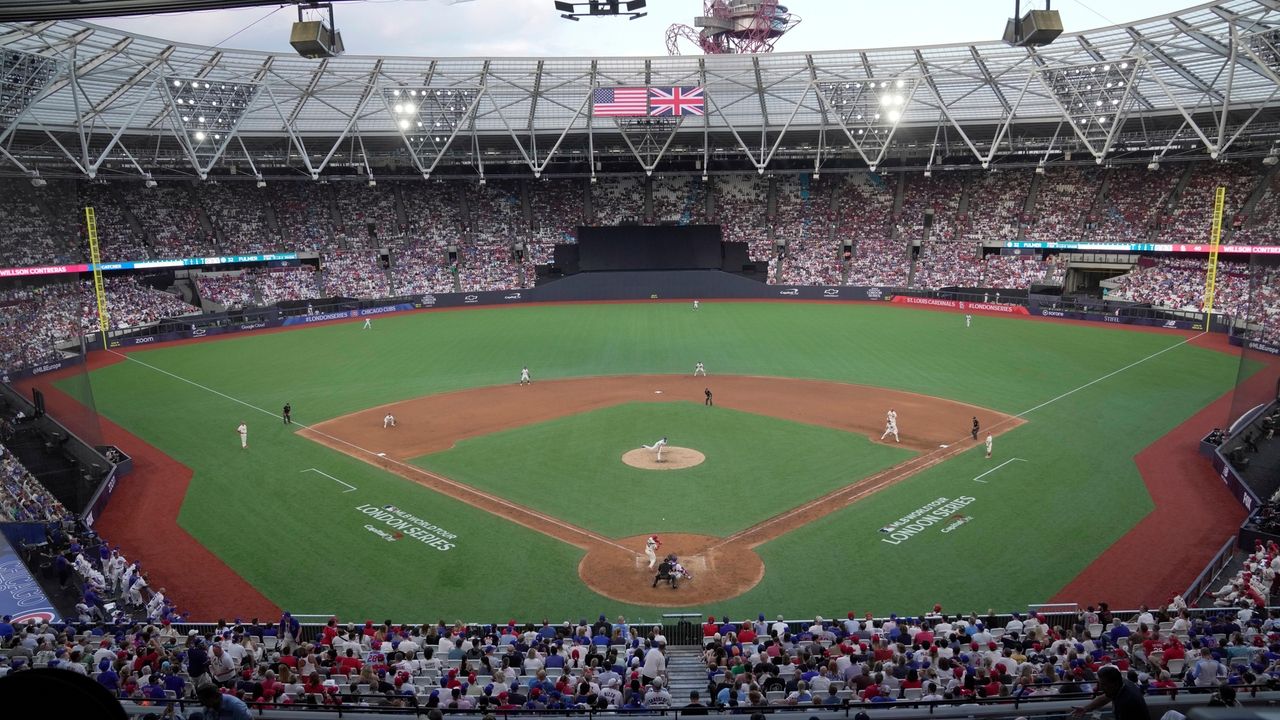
1203, 78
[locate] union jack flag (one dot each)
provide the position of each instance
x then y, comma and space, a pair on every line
671, 101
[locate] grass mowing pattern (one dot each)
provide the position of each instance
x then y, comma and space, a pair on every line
571, 468
299, 538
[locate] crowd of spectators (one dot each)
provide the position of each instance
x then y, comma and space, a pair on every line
22, 497
229, 289
170, 216
945, 264
856, 661
497, 216
803, 219
1131, 205
1063, 201
420, 270
940, 193
556, 206
116, 238
1262, 226
303, 211
367, 215
679, 199
879, 261
741, 205
254, 286
615, 200
353, 275
237, 213
1191, 217
1179, 282
996, 204
488, 268
433, 211
32, 237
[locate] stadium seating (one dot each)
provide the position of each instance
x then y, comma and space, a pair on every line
680, 200
741, 203
367, 215
239, 219
1131, 205
1262, 227
804, 219
354, 275
170, 217
617, 199
303, 211
1063, 200
33, 236
940, 193
996, 201
1192, 214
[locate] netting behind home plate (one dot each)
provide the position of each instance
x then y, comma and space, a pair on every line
1257, 325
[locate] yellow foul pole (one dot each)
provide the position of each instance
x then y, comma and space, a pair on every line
91, 223
1215, 236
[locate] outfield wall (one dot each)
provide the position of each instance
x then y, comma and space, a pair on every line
611, 286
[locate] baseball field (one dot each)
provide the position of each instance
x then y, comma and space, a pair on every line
490, 500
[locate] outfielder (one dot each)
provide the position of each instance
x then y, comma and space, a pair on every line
968, 320
657, 447
651, 546
524, 376
244, 435
988, 444
695, 304
699, 370
368, 324
389, 421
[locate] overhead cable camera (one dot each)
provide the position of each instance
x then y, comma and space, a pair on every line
601, 8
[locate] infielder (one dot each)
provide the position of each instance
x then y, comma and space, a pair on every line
651, 546
891, 428
657, 447
988, 444
388, 421
244, 435
368, 323
524, 376
699, 370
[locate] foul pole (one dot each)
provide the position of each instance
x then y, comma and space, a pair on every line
1215, 236
95, 260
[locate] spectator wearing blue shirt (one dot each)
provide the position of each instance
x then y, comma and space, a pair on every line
219, 706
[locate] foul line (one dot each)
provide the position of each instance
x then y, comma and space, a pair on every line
1006, 462
353, 487
884, 478
516, 509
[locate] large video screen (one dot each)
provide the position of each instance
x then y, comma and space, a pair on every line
662, 247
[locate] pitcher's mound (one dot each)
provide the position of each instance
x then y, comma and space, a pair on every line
673, 458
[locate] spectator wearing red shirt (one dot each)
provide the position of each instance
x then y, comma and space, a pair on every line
710, 628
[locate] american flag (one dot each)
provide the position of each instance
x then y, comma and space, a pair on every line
620, 102
676, 101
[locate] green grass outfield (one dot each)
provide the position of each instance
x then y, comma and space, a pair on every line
301, 540
751, 465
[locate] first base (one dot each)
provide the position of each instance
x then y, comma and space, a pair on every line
942, 446
657, 392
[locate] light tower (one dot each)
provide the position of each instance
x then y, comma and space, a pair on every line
734, 26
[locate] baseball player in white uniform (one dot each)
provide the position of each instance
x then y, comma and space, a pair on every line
968, 320
891, 426
651, 546
244, 435
524, 376
368, 323
389, 421
657, 447
699, 370
695, 304
988, 444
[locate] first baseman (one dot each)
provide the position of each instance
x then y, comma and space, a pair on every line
389, 421
244, 435
651, 546
988, 444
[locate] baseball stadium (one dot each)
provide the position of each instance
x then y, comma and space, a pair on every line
726, 376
